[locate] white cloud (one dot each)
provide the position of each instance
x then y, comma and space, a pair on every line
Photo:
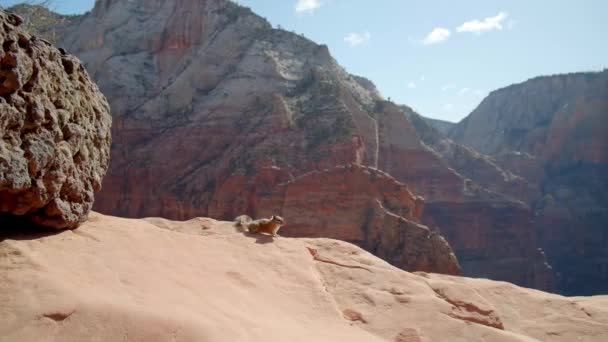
307, 6
463, 91
422, 78
411, 85
356, 39
487, 24
448, 107
479, 92
438, 35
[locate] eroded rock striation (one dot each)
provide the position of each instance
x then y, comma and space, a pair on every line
364, 206
490, 231
55, 130
553, 117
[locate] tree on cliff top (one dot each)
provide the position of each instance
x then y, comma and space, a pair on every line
39, 19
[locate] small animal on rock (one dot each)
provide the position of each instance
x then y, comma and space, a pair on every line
266, 225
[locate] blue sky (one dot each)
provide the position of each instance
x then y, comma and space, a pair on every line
438, 57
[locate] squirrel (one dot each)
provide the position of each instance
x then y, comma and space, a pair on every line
267, 225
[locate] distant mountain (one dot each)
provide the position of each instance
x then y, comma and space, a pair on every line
549, 117
441, 125
553, 131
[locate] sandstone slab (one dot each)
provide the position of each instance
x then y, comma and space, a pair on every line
117, 279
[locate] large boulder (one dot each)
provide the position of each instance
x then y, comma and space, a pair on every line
54, 132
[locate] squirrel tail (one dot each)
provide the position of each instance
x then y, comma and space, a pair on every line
243, 222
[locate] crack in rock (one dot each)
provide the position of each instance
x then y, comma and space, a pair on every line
316, 256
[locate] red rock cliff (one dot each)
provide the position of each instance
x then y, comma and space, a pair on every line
553, 132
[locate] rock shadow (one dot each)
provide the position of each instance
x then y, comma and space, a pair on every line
260, 238
19, 228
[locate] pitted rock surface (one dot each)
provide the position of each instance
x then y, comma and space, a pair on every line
54, 131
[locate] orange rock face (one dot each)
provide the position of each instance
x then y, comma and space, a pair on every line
364, 206
491, 233
504, 233
353, 203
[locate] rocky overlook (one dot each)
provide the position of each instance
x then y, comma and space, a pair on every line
117, 279
55, 130
214, 110
552, 131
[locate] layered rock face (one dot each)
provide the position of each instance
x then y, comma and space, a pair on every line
364, 206
101, 282
194, 104
351, 202
218, 114
548, 117
55, 130
224, 110
490, 230
479, 168
553, 132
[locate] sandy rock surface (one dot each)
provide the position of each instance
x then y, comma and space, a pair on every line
119, 279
